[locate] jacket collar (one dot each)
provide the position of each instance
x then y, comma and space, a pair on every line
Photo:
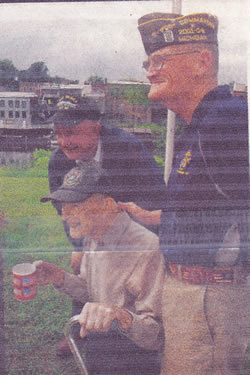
112, 238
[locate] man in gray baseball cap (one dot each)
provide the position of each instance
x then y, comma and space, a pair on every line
114, 282
78, 184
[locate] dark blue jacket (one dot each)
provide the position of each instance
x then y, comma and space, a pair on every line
133, 174
208, 187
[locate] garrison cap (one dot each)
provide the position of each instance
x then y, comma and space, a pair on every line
71, 110
159, 30
79, 184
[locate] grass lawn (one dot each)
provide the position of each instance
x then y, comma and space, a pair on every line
32, 329
34, 231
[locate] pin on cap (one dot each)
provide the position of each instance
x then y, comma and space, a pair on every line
79, 184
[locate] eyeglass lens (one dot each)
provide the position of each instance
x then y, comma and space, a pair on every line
158, 61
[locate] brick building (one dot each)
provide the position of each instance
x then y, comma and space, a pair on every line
34, 87
127, 102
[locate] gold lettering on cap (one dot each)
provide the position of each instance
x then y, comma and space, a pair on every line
197, 20
169, 26
192, 30
72, 98
188, 38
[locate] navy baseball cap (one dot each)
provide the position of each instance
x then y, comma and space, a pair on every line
71, 111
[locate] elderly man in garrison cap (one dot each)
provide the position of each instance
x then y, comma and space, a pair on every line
134, 174
120, 278
204, 222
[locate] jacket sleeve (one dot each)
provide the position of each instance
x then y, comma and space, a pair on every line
224, 148
145, 284
225, 151
75, 287
133, 174
148, 177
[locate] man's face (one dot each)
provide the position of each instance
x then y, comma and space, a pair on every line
79, 141
173, 80
83, 218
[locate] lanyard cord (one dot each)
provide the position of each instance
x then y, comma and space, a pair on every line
208, 170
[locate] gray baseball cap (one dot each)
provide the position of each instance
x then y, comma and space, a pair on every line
79, 184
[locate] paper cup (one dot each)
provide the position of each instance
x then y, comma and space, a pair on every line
24, 281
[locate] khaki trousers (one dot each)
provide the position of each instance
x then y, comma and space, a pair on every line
207, 328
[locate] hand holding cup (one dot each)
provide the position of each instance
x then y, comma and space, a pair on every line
48, 273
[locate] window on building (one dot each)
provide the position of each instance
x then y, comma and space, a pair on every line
24, 114
17, 103
17, 114
11, 114
2, 103
24, 104
10, 103
2, 114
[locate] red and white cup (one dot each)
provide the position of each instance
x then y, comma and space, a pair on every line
24, 281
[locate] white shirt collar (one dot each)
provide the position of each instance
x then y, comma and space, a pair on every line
97, 157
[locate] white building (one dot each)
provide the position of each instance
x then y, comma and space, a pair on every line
15, 109
58, 90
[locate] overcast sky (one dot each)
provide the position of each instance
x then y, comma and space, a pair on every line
80, 39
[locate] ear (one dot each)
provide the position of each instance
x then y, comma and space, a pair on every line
204, 62
96, 127
109, 204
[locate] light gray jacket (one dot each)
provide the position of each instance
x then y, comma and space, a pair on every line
126, 269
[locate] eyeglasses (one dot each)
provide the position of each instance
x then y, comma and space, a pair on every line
158, 61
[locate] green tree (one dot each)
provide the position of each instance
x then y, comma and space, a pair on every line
133, 94
137, 94
8, 71
95, 79
37, 72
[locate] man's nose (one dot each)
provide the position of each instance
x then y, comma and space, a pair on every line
151, 71
63, 141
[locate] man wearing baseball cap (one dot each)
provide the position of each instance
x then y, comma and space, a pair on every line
204, 221
120, 277
82, 137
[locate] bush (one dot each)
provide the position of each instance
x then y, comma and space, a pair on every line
160, 162
40, 163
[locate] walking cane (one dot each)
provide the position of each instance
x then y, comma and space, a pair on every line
73, 346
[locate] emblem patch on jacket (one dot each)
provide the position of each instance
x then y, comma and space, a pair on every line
185, 163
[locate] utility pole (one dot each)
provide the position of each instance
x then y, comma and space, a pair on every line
176, 8
2, 337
